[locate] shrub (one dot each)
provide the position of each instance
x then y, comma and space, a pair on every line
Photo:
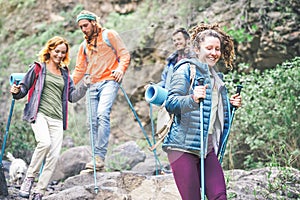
265, 130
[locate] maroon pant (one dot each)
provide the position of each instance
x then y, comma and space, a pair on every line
186, 172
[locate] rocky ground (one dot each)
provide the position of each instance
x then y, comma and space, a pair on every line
139, 183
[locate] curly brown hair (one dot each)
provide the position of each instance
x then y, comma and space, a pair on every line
199, 32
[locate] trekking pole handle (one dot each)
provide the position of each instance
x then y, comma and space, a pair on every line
239, 89
200, 83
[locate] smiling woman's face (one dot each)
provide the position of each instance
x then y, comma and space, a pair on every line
209, 51
58, 54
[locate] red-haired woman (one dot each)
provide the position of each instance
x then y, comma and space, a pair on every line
49, 88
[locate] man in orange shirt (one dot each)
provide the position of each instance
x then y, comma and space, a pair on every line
106, 66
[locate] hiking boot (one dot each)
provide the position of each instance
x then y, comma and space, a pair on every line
37, 196
26, 187
99, 164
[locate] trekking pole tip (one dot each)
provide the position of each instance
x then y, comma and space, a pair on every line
96, 190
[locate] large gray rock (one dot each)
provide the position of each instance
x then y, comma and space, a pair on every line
125, 157
71, 162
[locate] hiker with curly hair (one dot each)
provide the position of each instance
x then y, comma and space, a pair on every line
49, 88
104, 57
183, 143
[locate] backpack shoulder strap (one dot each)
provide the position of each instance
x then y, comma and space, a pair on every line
37, 69
192, 75
84, 50
105, 38
107, 42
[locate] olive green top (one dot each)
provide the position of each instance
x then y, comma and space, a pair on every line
51, 99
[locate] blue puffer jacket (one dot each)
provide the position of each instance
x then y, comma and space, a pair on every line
185, 130
35, 77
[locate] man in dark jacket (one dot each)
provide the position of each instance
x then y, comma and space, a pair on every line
181, 41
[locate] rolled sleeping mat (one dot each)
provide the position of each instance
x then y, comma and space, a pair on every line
156, 95
16, 78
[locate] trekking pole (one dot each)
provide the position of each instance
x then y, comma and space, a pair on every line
201, 82
4, 190
8, 123
224, 143
92, 137
140, 124
7, 128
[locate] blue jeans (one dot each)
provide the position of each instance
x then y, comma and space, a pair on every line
102, 96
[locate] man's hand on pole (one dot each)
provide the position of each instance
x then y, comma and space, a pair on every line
118, 75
